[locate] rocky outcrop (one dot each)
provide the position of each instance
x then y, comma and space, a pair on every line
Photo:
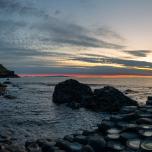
5, 73
80, 95
71, 91
111, 99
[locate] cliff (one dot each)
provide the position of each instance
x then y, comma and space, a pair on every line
5, 73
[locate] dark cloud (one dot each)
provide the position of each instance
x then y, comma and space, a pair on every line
108, 60
9, 5
60, 32
140, 53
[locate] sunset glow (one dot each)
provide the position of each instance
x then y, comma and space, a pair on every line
86, 37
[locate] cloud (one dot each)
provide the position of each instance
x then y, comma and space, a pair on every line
139, 53
64, 33
57, 12
55, 31
27, 30
107, 32
111, 61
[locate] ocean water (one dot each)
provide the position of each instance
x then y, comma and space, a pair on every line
33, 115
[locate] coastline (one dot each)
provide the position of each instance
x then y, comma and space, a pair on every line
128, 130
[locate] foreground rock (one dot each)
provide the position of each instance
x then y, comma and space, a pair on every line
111, 99
119, 133
71, 91
77, 95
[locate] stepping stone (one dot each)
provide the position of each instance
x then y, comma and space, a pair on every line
145, 133
125, 136
127, 126
81, 139
105, 125
115, 146
146, 146
114, 131
144, 121
113, 136
145, 127
134, 144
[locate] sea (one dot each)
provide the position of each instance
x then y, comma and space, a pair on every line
33, 115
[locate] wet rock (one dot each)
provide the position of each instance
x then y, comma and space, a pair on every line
73, 105
87, 148
70, 91
9, 97
113, 136
144, 121
48, 147
68, 146
62, 144
111, 99
32, 146
69, 138
75, 147
81, 139
128, 109
113, 131
97, 143
129, 116
115, 146
125, 136
127, 126
134, 144
146, 146
15, 148
105, 125
87, 132
2, 89
77, 94
145, 133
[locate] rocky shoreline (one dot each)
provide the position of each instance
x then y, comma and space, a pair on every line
129, 130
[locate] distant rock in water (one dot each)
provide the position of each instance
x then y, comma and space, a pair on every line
5, 73
105, 99
2, 89
71, 91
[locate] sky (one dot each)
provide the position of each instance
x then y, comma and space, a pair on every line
106, 37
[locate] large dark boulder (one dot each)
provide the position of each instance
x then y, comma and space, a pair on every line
76, 94
71, 91
111, 99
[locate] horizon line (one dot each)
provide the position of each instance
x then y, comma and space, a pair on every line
88, 75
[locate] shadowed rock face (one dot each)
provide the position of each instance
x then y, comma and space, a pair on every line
71, 91
5, 73
111, 99
105, 99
